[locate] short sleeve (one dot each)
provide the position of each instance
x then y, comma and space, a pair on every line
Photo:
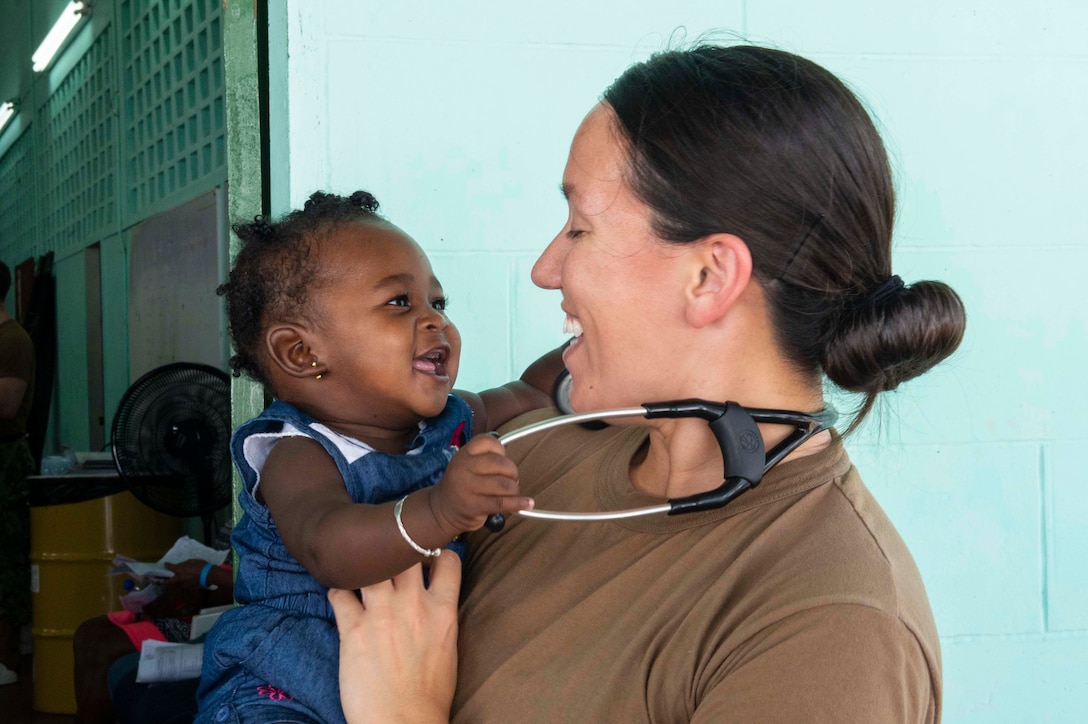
836, 663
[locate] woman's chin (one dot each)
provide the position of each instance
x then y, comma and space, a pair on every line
587, 401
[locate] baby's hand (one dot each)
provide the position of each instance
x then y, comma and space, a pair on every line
479, 482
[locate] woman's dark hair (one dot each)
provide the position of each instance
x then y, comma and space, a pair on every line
275, 268
773, 148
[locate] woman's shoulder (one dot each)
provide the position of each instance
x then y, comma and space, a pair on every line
874, 531
838, 548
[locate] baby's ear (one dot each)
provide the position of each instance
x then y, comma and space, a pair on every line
289, 350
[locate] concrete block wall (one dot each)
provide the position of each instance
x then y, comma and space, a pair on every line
458, 117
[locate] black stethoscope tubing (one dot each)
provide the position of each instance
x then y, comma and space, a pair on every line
736, 429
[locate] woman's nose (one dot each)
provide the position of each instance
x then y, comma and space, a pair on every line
548, 267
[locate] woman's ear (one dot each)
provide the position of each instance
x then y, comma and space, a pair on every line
289, 350
721, 269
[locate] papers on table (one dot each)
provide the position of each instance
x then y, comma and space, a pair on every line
161, 661
184, 549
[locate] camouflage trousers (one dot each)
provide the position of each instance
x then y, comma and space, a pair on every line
16, 463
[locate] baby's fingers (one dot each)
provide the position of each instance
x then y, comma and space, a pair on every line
511, 503
486, 443
490, 464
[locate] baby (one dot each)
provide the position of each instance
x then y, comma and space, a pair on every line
364, 465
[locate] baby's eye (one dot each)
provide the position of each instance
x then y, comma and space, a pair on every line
440, 304
400, 300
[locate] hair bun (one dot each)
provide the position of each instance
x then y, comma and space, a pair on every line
883, 343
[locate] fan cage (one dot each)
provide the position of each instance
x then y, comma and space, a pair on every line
171, 439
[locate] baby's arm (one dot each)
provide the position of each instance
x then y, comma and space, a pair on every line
495, 407
348, 545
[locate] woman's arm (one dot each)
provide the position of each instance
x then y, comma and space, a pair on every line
495, 407
398, 646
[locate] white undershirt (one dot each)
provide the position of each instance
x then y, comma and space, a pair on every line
256, 447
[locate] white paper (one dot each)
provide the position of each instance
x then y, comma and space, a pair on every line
202, 622
162, 661
184, 549
124, 564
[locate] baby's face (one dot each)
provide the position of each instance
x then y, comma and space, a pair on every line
379, 314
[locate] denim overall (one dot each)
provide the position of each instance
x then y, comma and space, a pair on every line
276, 658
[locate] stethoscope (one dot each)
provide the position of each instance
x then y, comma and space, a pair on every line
734, 426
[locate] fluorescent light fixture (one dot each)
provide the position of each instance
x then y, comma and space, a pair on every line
64, 26
7, 112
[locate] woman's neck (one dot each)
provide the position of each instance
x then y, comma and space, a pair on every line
682, 457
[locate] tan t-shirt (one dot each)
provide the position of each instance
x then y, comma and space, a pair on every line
17, 360
798, 602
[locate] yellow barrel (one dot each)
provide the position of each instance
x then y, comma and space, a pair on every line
72, 546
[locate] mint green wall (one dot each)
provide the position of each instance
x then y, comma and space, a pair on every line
458, 117
71, 419
128, 122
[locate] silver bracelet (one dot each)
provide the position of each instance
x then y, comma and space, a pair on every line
428, 552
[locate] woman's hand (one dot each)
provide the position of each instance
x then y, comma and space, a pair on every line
398, 646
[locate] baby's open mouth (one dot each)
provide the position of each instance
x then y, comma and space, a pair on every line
433, 362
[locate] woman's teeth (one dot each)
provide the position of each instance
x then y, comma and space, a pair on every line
572, 326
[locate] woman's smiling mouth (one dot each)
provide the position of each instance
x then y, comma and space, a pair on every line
571, 325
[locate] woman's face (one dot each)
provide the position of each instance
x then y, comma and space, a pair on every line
622, 287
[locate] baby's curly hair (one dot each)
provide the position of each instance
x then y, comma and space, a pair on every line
274, 269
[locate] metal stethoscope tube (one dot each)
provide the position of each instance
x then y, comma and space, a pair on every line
735, 428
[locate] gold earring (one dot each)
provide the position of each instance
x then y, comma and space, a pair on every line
318, 377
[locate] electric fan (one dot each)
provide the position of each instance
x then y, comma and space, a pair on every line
171, 440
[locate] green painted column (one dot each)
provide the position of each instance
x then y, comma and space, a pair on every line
245, 160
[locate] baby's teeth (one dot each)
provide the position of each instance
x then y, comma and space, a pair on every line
572, 326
